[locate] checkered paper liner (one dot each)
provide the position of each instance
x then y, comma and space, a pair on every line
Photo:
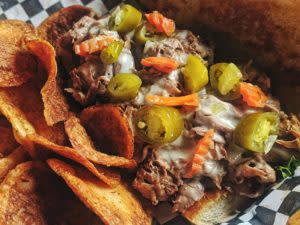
274, 208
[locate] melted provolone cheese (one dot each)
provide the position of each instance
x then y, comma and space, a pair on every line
221, 112
125, 62
179, 152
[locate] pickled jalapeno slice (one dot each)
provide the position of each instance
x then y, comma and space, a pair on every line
224, 77
111, 53
195, 74
141, 35
254, 130
124, 87
158, 124
125, 19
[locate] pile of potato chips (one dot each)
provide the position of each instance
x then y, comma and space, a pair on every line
42, 140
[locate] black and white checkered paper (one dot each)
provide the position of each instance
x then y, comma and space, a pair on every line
274, 208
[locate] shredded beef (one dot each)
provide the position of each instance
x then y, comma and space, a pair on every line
215, 171
167, 47
81, 29
178, 47
255, 76
188, 194
201, 130
218, 152
272, 105
289, 131
165, 86
88, 81
88, 27
155, 180
194, 45
251, 176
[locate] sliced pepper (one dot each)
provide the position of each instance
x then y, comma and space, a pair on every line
125, 19
187, 100
141, 35
93, 45
253, 95
162, 64
254, 131
195, 74
224, 77
158, 124
161, 23
123, 87
111, 53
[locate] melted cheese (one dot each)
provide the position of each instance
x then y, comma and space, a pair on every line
179, 151
125, 62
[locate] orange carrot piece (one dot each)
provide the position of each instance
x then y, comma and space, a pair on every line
201, 150
93, 45
203, 145
253, 95
187, 100
163, 64
196, 167
161, 23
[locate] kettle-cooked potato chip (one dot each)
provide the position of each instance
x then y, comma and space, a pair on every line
83, 144
16, 63
12, 160
32, 194
106, 175
23, 107
109, 129
114, 206
7, 140
55, 107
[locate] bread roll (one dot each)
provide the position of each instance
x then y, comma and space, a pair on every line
269, 28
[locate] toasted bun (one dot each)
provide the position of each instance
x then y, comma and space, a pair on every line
270, 29
216, 207
60, 22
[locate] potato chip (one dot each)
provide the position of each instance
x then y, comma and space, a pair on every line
60, 22
12, 160
106, 175
23, 107
15, 116
7, 140
109, 129
32, 194
55, 107
84, 145
16, 63
114, 206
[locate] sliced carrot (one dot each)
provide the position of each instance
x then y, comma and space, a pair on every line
253, 95
93, 45
204, 143
196, 167
201, 150
162, 64
187, 100
161, 23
